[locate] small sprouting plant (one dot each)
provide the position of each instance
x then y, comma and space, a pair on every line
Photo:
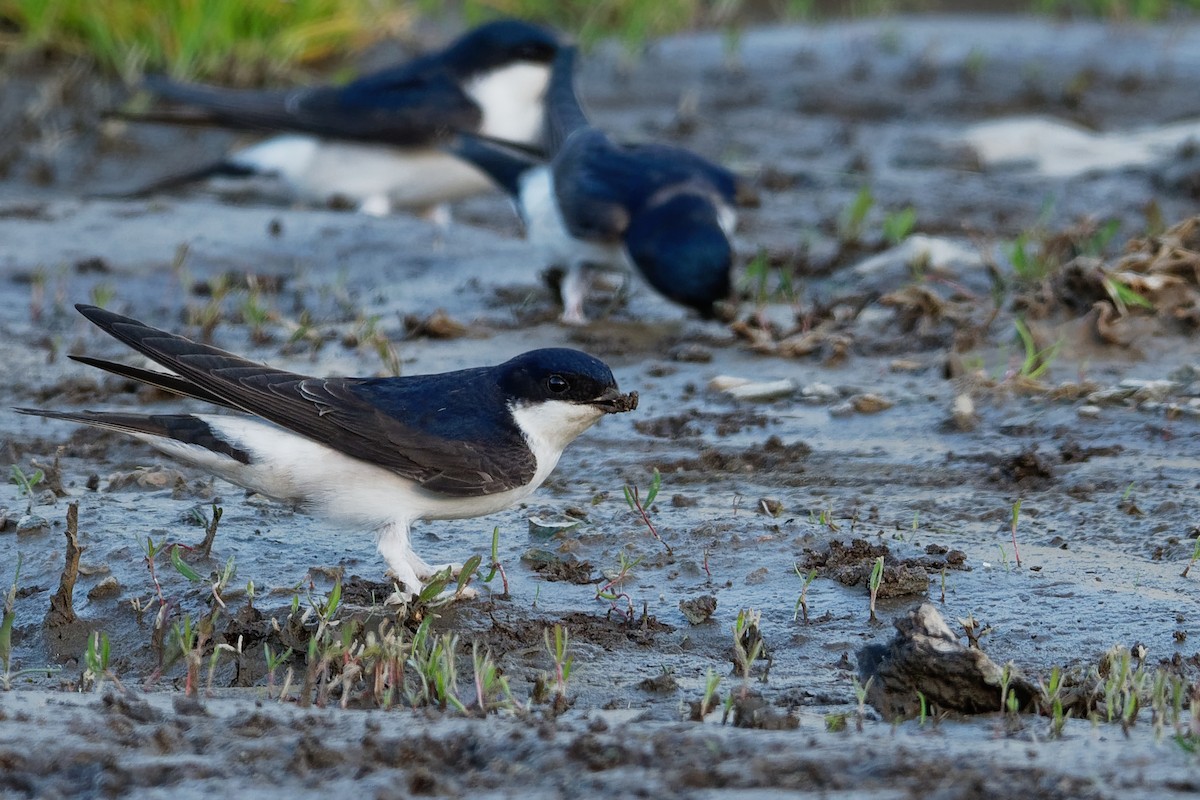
748, 644
434, 659
496, 567
610, 590
27, 483
1052, 691
1030, 267
712, 681
491, 687
899, 224
274, 661
96, 660
861, 690
558, 642
1014, 519
874, 584
802, 600
1007, 698
854, 216
633, 498
1194, 558
102, 294
1035, 361
923, 704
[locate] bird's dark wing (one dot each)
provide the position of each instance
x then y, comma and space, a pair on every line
503, 162
402, 107
600, 184
445, 454
564, 112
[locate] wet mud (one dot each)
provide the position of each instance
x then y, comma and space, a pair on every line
871, 404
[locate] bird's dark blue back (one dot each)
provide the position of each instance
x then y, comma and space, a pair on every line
464, 405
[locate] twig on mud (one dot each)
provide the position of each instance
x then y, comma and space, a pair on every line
210, 531
62, 611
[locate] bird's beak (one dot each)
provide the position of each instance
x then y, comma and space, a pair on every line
612, 401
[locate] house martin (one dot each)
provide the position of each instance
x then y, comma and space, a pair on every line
372, 142
375, 453
599, 204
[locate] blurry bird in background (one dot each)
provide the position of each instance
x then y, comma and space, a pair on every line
601, 205
373, 143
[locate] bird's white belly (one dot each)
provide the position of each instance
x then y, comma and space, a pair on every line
291, 468
370, 176
547, 232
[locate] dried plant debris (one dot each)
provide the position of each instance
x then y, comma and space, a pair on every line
62, 608
851, 565
1157, 276
926, 660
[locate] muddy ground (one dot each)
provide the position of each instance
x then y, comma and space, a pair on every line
913, 422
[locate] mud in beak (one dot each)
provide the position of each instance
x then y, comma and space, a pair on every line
614, 402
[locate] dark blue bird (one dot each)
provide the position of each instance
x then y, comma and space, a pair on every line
598, 204
373, 142
376, 453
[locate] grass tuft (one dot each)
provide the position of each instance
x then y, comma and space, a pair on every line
237, 41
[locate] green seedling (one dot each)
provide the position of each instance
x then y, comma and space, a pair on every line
712, 681
943, 584
434, 660
26, 483
1036, 361
496, 567
1052, 693
558, 642
1123, 296
861, 690
96, 660
924, 709
274, 662
802, 600
748, 645
1030, 268
1194, 558
854, 216
633, 498
898, 225
491, 687
874, 583
609, 591
1014, 519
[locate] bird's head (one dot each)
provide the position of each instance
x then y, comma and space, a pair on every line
555, 394
681, 249
500, 44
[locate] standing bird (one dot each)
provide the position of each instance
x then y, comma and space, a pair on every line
373, 142
376, 453
598, 204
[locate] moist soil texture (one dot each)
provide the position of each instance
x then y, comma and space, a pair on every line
963, 372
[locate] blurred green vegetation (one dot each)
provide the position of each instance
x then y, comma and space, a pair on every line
238, 41
249, 41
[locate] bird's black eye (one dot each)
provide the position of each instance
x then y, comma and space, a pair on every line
557, 384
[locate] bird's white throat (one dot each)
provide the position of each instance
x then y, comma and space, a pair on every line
511, 98
550, 426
